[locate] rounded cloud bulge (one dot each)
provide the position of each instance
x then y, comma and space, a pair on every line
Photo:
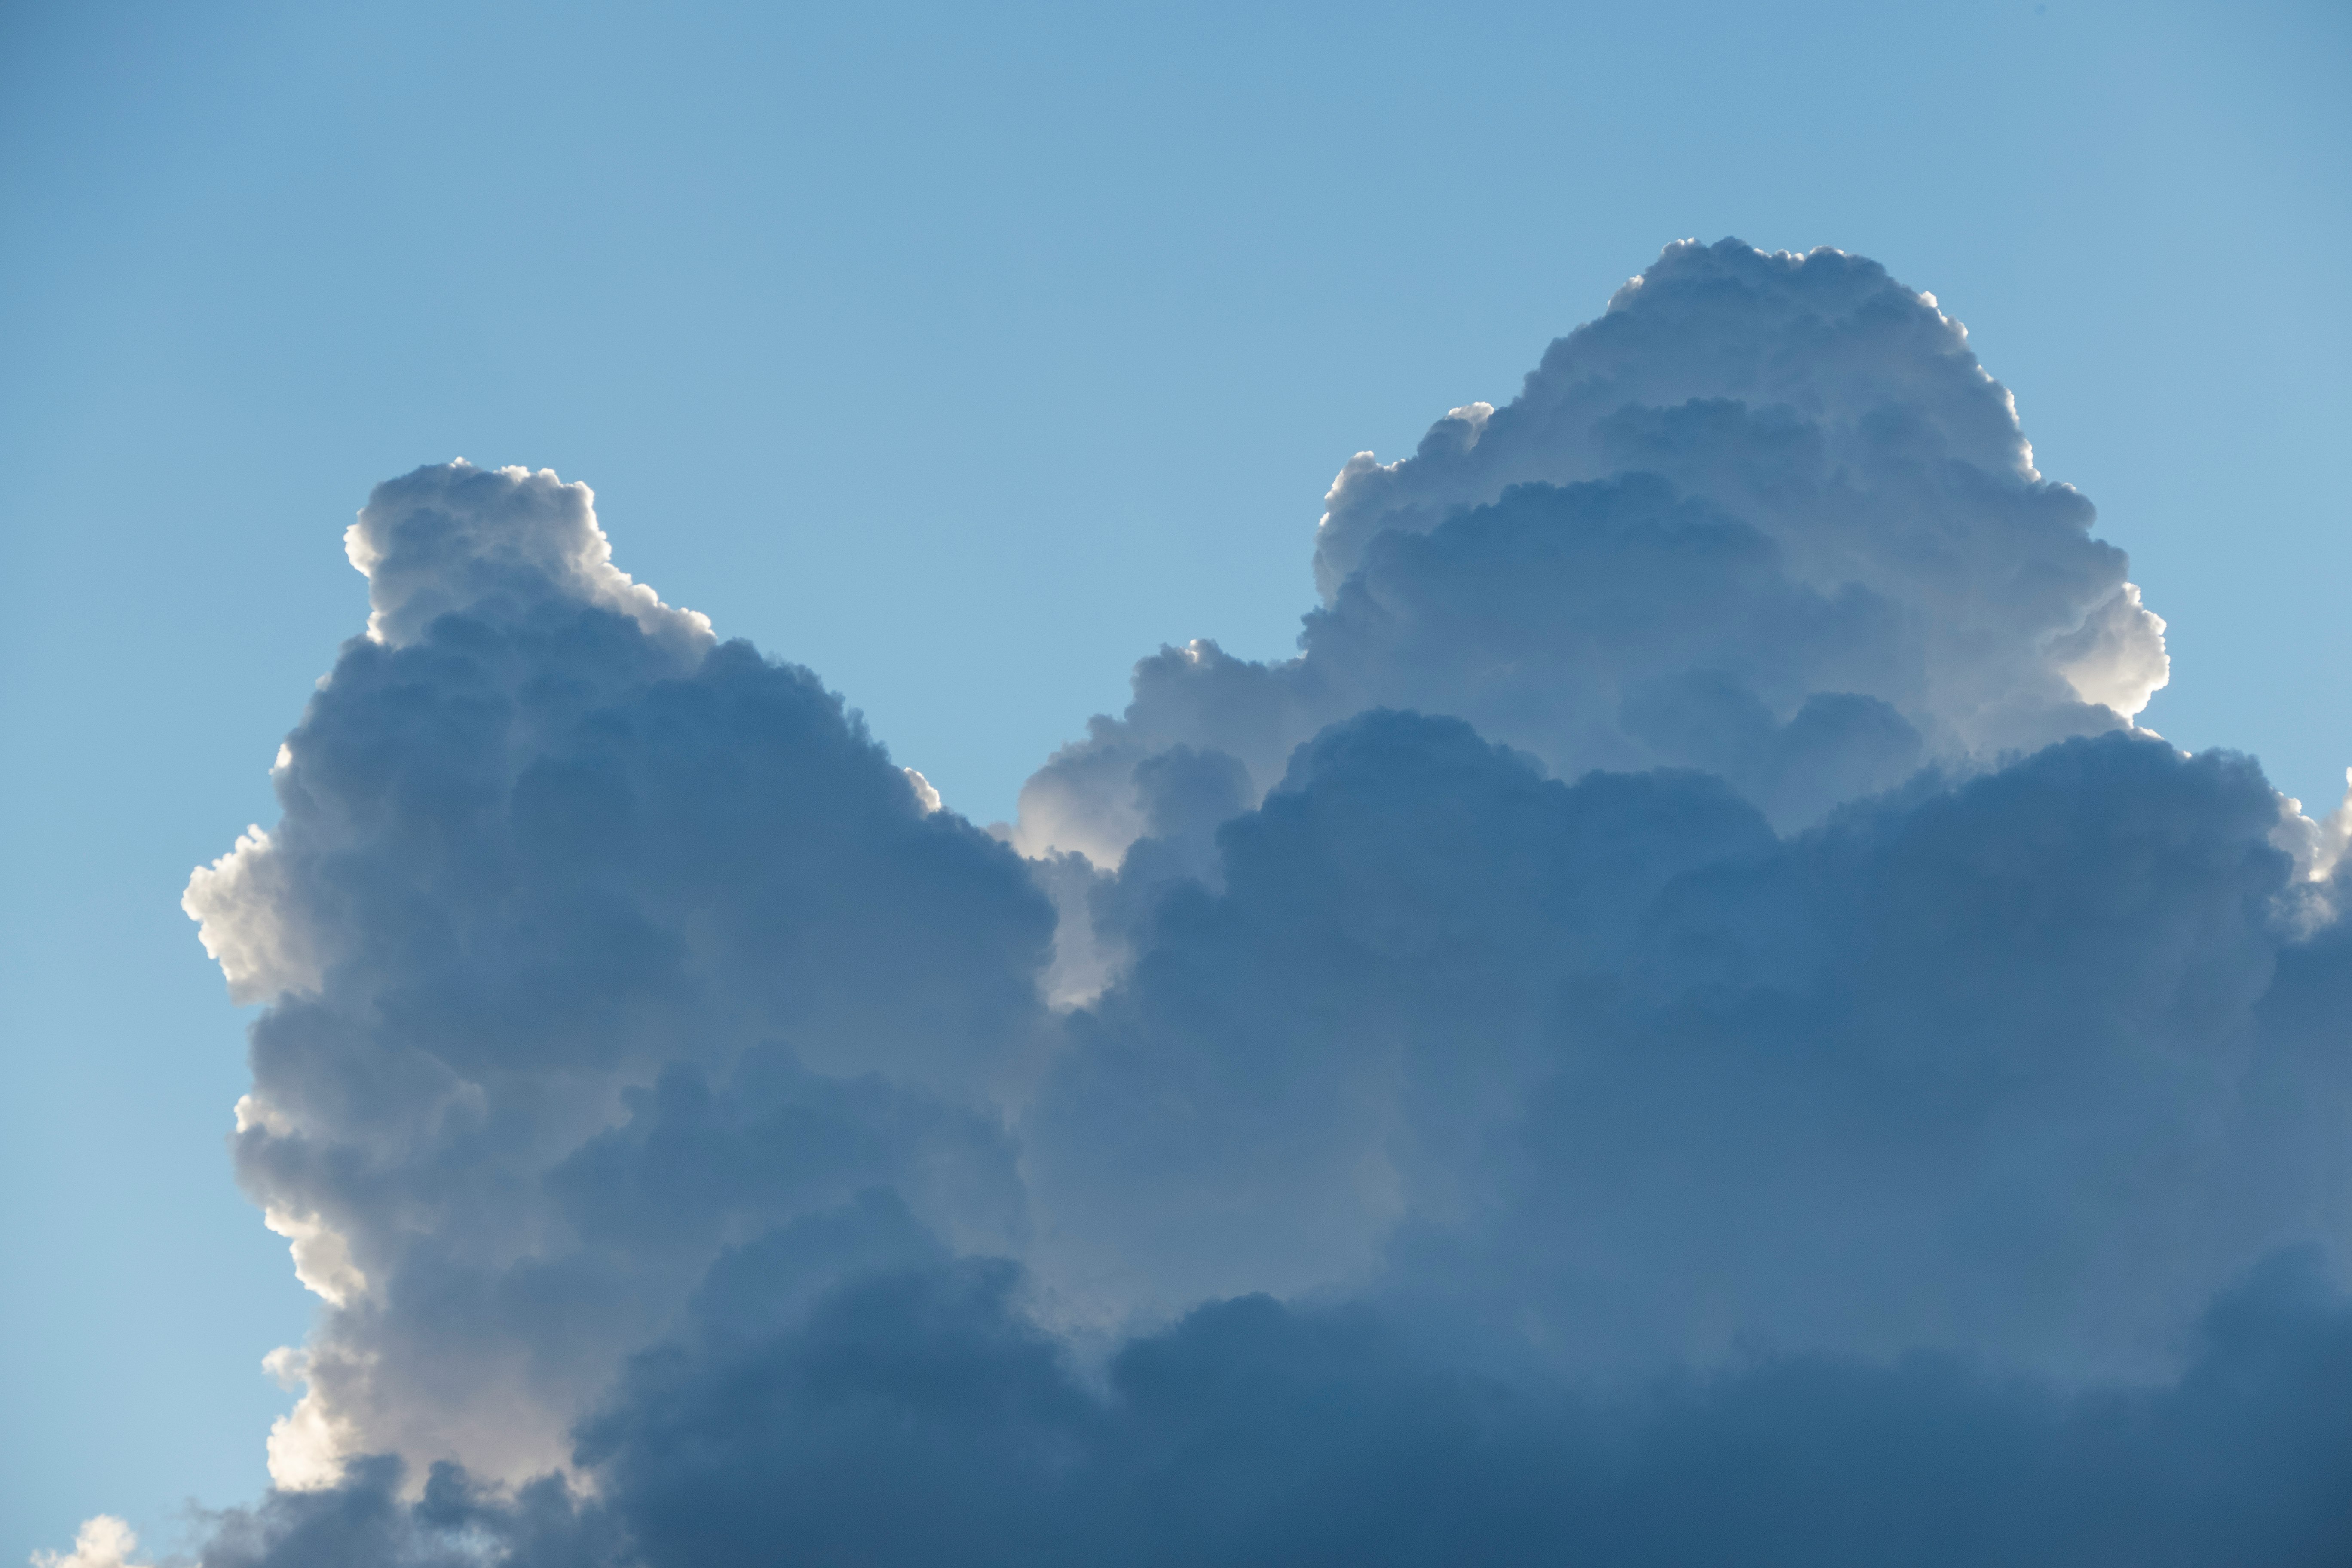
448, 539
1767, 516
562, 883
1687, 1025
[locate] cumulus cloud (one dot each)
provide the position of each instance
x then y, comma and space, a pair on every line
1767, 516
582, 901
246, 924
461, 538
1686, 1026
920, 1416
1618, 1073
103, 1542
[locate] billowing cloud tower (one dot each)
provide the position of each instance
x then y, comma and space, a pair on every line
1767, 517
1687, 1025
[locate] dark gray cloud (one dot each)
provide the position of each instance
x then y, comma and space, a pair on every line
918, 1416
1626, 1077
1686, 1026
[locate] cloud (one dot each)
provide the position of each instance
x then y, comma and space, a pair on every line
1686, 1026
242, 909
1635, 1079
460, 539
556, 862
1767, 517
103, 1542
919, 1419
920, 1416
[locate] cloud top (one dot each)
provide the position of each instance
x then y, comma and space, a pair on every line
1768, 516
445, 540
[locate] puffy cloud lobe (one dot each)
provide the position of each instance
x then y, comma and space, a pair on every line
1375, 975
103, 1542
1390, 1141
1627, 1078
241, 905
1767, 517
459, 538
570, 883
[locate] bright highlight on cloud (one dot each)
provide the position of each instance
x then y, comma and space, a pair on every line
1686, 1026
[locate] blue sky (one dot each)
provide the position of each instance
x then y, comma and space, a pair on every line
965, 357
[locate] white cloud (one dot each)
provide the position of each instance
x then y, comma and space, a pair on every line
446, 539
322, 1260
2117, 658
1759, 482
262, 946
103, 1542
